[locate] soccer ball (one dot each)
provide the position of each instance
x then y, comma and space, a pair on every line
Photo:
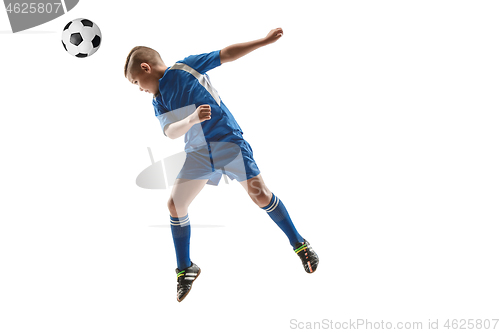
81, 38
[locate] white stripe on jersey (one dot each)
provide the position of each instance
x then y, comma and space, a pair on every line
203, 79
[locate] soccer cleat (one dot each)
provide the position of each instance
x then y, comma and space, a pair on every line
185, 279
310, 259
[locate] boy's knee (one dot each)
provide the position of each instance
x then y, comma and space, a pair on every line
262, 198
176, 209
171, 206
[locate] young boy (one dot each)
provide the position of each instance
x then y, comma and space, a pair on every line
186, 103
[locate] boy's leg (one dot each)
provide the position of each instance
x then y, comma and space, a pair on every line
265, 199
183, 193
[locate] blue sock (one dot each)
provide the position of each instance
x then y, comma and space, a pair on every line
278, 213
181, 232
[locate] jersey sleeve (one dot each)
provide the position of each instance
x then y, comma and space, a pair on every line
202, 63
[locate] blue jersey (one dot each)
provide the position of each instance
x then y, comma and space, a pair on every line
183, 88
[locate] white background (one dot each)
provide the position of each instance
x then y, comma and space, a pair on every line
376, 123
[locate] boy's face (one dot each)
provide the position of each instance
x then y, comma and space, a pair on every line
145, 79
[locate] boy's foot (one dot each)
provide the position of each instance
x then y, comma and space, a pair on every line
310, 259
185, 280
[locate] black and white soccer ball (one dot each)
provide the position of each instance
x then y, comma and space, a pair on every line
81, 38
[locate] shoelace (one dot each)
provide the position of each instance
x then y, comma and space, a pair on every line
301, 249
181, 278
301, 252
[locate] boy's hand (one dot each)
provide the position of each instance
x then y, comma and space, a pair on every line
273, 35
202, 113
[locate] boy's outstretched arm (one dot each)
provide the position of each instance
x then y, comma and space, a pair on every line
237, 51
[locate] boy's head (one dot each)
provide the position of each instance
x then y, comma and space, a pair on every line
145, 68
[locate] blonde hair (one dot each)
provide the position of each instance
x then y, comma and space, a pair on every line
140, 54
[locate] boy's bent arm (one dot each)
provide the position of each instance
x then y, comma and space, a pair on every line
237, 51
181, 127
